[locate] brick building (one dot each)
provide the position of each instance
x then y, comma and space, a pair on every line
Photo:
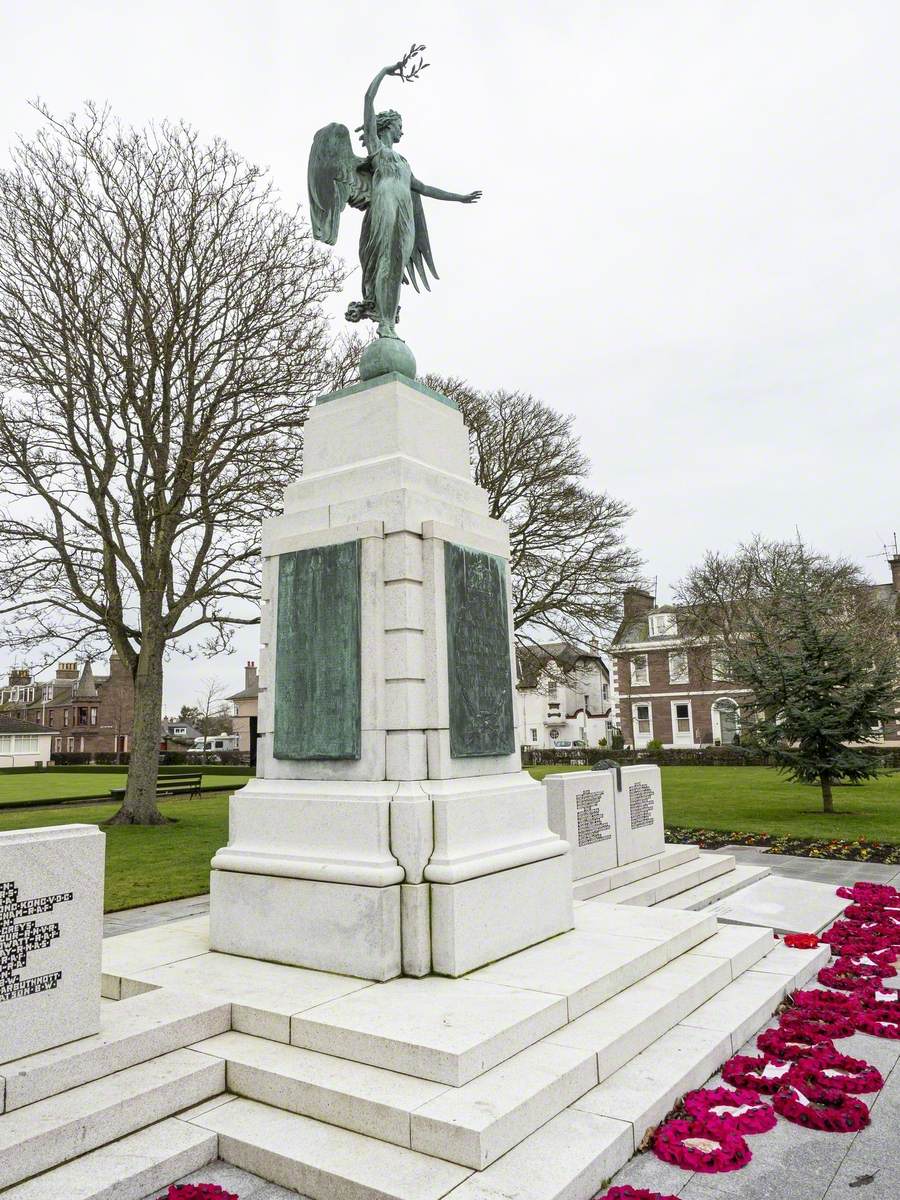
888, 594
666, 690
87, 713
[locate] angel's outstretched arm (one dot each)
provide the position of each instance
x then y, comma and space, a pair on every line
434, 193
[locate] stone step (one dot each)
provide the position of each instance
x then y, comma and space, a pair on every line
626, 1024
743, 945
716, 889
143, 949
52, 1131
131, 1168
679, 931
604, 881
585, 966
646, 1089
445, 1030
671, 882
131, 1031
322, 1161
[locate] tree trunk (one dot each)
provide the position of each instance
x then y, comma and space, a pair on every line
827, 802
139, 806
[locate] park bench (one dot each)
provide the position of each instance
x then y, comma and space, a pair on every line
171, 783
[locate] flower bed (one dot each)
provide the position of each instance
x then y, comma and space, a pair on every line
861, 850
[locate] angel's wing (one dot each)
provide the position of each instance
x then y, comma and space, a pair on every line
334, 179
420, 255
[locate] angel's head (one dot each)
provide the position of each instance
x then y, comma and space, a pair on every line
390, 126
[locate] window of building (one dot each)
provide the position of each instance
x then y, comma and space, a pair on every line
720, 665
5, 745
65, 716
70, 744
678, 667
47, 693
643, 724
82, 716
93, 716
640, 670
663, 624
534, 735
553, 690
25, 743
50, 716
682, 718
605, 692
57, 745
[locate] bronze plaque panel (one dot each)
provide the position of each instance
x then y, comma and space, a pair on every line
478, 654
317, 659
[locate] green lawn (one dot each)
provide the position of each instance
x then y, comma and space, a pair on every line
145, 865
760, 800
20, 787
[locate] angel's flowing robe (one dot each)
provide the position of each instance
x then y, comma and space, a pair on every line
388, 235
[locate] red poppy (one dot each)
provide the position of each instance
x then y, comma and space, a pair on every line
197, 1191
801, 941
780, 1044
825, 1024
879, 1024
870, 893
630, 1193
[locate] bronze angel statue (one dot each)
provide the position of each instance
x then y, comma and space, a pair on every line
393, 245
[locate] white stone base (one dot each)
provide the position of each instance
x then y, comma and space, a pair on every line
345, 928
480, 920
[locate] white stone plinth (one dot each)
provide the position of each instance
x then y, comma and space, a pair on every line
480, 920
582, 811
406, 857
639, 814
51, 926
339, 927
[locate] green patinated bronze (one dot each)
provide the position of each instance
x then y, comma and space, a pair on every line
365, 384
478, 655
394, 247
317, 662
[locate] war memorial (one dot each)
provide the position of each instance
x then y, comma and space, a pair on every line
424, 974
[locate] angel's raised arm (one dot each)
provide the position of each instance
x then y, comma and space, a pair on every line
370, 123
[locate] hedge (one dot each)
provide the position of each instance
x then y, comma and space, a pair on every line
707, 756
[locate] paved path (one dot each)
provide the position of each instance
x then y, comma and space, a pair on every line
235, 1181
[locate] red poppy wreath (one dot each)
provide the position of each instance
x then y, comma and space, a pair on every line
630, 1193
816, 1023
784, 1045
879, 1024
849, 978
695, 1147
741, 1110
830, 1111
197, 1191
870, 893
836, 1073
801, 941
764, 1074
832, 1003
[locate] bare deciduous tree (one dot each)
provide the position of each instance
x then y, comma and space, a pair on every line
161, 336
569, 559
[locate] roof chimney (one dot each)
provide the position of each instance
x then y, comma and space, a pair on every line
894, 564
67, 671
636, 602
251, 678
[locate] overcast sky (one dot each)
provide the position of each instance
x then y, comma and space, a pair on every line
689, 237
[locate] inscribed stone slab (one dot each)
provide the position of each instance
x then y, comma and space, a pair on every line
582, 811
639, 814
478, 654
51, 926
317, 662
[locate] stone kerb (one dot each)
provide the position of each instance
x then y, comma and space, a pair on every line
51, 927
605, 824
